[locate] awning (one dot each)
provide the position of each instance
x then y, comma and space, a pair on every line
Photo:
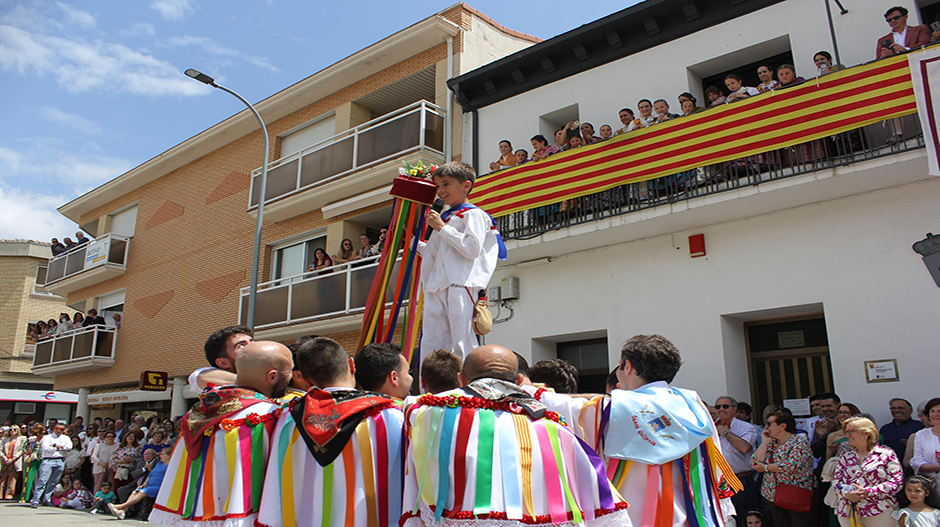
37, 396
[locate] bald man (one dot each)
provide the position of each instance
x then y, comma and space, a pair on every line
217, 469
490, 451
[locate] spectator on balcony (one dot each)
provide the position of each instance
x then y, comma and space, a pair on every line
321, 261
57, 248
522, 156
606, 132
93, 319
117, 318
661, 107
506, 157
587, 134
646, 112
69, 244
715, 97
823, 61
902, 37
347, 252
50, 328
766, 75
540, 145
379, 245
78, 320
738, 90
574, 142
629, 121
689, 107
686, 96
561, 139
366, 245
787, 75
65, 324
81, 239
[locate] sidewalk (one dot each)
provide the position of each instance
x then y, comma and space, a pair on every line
20, 515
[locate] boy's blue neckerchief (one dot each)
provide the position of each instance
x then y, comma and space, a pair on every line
467, 206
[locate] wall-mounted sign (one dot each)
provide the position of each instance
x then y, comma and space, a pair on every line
791, 339
884, 370
798, 407
96, 253
153, 381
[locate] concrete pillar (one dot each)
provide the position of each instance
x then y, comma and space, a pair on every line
83, 409
178, 403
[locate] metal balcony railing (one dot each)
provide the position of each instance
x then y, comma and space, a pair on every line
77, 350
418, 126
330, 292
109, 250
870, 142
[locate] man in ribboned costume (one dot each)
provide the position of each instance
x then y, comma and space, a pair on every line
336, 453
216, 473
489, 454
658, 441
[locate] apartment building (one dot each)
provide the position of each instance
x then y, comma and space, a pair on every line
175, 235
24, 302
780, 273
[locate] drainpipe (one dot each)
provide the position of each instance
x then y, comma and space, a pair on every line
449, 106
473, 137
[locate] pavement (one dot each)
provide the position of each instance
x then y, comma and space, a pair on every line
20, 515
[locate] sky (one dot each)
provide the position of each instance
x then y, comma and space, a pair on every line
93, 88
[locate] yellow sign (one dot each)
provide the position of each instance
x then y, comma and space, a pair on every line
153, 381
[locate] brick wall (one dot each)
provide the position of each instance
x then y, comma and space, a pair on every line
18, 306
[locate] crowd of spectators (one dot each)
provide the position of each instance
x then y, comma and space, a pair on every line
50, 329
323, 263
109, 467
68, 245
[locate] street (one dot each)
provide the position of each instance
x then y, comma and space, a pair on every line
20, 515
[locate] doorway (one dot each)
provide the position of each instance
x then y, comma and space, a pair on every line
787, 359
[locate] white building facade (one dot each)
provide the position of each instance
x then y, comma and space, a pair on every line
807, 278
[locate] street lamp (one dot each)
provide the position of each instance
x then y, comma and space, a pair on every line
256, 256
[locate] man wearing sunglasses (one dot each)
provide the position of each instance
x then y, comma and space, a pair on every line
738, 442
902, 37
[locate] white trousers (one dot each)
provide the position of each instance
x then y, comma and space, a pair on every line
448, 321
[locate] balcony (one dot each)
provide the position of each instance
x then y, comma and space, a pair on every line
101, 259
86, 348
799, 146
358, 160
328, 299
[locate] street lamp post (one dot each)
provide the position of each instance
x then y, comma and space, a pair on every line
256, 256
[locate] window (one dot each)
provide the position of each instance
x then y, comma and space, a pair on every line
308, 134
41, 274
110, 304
743, 62
590, 358
292, 259
552, 121
124, 222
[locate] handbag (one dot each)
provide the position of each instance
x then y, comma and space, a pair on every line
482, 317
793, 498
122, 473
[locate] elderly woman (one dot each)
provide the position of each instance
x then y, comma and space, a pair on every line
926, 459
867, 477
786, 461
12, 449
506, 157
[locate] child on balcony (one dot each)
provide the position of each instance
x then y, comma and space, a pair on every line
458, 260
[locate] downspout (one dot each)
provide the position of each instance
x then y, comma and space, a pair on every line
449, 106
474, 136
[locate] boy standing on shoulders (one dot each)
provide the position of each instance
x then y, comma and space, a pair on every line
459, 260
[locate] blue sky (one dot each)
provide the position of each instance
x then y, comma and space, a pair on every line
93, 88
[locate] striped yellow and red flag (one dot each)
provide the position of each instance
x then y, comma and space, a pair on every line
841, 101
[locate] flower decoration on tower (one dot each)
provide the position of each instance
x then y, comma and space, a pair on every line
418, 170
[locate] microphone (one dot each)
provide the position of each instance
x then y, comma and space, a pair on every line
437, 207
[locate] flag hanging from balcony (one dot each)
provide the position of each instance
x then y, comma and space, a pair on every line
925, 77
821, 107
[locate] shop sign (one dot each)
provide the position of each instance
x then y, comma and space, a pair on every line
154, 381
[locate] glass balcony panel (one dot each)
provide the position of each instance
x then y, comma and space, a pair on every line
322, 296
326, 162
434, 132
271, 306
75, 262
43, 353
389, 138
105, 344
360, 283
56, 270
83, 344
392, 280
62, 349
281, 180
117, 251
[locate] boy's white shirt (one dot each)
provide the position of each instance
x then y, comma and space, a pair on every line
462, 253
